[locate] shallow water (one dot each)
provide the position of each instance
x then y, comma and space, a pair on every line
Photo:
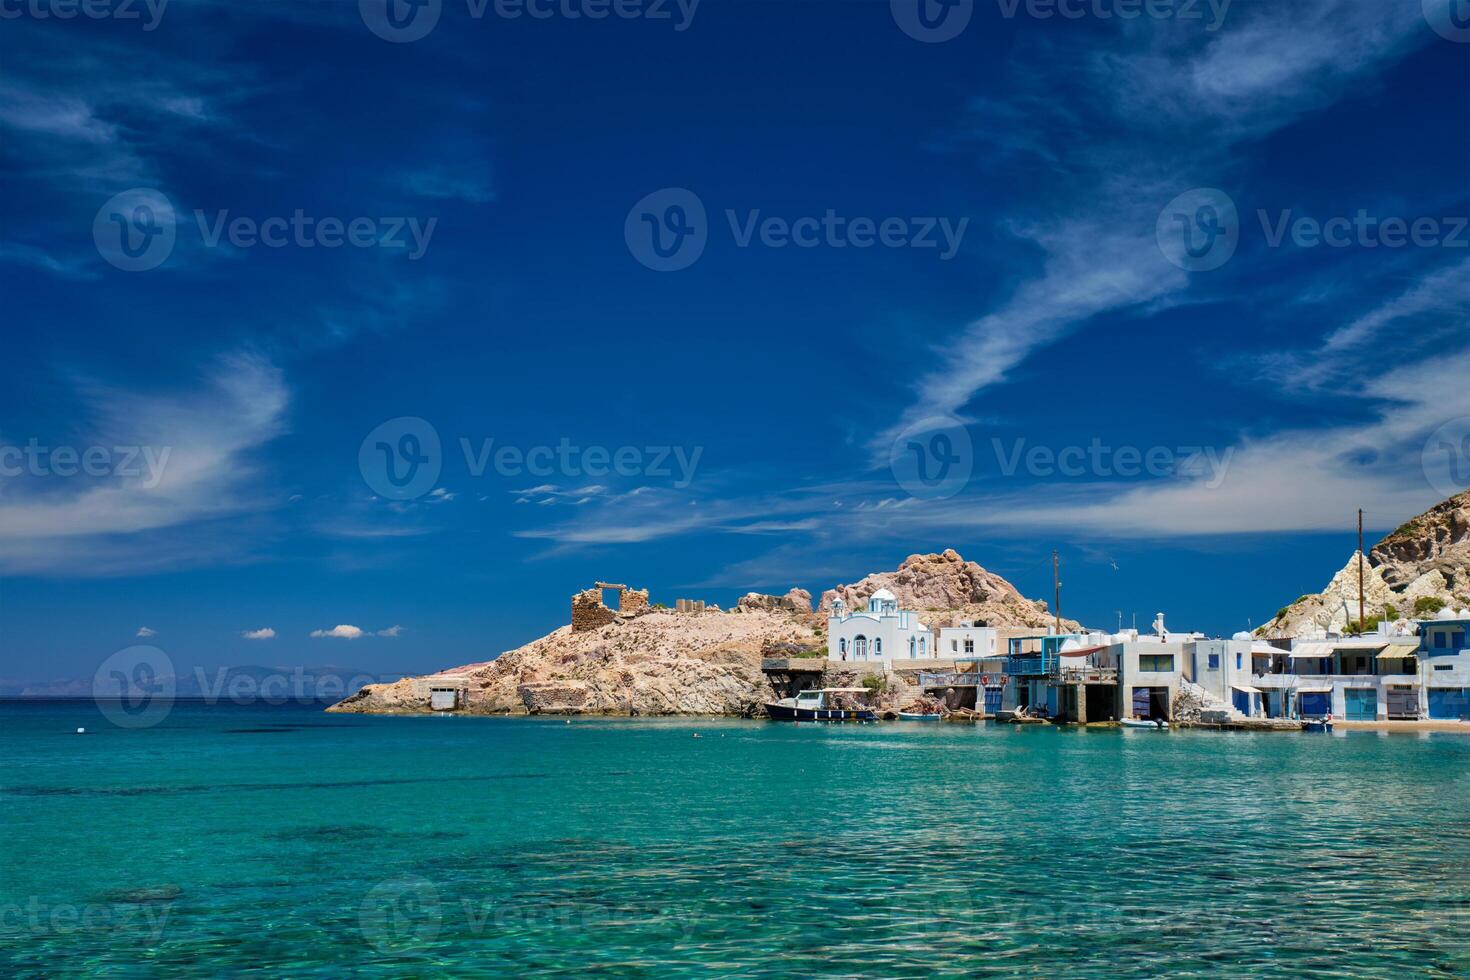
279, 840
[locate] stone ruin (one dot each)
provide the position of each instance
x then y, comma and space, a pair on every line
689, 605
797, 600
589, 612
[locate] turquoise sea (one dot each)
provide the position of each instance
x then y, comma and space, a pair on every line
281, 841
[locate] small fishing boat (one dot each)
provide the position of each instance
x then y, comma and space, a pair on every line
1323, 725
919, 716
1158, 725
821, 704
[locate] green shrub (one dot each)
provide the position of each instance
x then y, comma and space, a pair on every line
1427, 605
1390, 611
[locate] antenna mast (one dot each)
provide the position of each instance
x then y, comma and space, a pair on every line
1361, 625
1056, 583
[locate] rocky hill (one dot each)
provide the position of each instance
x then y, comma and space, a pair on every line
1421, 566
642, 660
948, 590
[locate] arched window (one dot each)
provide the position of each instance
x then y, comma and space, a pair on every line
912, 654
842, 648
877, 646
860, 648
923, 645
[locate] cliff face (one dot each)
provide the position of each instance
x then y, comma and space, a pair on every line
1427, 558
948, 590
647, 661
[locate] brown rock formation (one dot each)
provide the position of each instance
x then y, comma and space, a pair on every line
797, 601
1427, 558
660, 663
949, 590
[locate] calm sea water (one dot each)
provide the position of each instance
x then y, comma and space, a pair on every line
283, 841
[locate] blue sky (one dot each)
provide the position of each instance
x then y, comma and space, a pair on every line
1278, 391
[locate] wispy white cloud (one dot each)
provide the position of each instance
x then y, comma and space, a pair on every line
194, 462
145, 632
264, 633
1183, 102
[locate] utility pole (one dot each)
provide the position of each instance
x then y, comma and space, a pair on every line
1361, 625
1056, 583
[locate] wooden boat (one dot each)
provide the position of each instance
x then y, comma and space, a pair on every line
1157, 725
819, 705
918, 716
1317, 725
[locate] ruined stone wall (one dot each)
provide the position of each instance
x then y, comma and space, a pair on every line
588, 612
632, 602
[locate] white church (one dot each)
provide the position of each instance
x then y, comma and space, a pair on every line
881, 632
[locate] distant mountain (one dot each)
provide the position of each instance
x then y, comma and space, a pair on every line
1418, 569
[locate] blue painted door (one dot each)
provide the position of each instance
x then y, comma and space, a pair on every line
1316, 705
1361, 703
1242, 702
1450, 703
992, 699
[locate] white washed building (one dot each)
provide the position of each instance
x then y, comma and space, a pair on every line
968, 641
881, 632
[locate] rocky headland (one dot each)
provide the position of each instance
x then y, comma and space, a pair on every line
640, 659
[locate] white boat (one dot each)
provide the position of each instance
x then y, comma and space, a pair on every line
918, 716
1158, 726
818, 705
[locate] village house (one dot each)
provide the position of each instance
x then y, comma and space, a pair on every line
1372, 677
880, 633
1445, 665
